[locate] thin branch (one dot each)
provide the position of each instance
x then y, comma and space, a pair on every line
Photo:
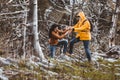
9, 1
16, 12
17, 5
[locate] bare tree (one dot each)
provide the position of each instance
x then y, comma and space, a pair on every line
33, 18
114, 25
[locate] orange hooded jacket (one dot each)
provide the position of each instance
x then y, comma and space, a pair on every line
82, 28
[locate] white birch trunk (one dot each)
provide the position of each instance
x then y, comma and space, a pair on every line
35, 32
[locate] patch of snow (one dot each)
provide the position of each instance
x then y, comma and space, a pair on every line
111, 59
1, 71
4, 61
96, 56
2, 77
64, 57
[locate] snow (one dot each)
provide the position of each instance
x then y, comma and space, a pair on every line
2, 77
96, 56
111, 60
1, 71
4, 61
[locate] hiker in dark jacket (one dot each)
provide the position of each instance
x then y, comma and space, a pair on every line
56, 38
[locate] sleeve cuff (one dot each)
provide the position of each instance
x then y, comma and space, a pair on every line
73, 29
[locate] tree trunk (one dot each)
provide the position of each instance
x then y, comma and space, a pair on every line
24, 33
34, 27
114, 26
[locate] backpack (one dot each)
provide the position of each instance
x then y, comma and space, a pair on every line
91, 24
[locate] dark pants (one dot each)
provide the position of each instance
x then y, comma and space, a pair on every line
86, 47
60, 43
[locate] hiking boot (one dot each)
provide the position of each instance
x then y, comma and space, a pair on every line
72, 55
68, 54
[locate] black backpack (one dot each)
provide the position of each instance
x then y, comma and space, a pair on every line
91, 24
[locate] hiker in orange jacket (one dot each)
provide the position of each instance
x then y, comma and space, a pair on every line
56, 38
82, 28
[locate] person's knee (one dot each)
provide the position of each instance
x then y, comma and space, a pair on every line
65, 42
71, 42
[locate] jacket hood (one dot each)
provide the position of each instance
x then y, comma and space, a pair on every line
82, 16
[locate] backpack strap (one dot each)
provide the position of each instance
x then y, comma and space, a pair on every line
84, 21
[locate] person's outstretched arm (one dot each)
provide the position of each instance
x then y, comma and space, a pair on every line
59, 36
84, 27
